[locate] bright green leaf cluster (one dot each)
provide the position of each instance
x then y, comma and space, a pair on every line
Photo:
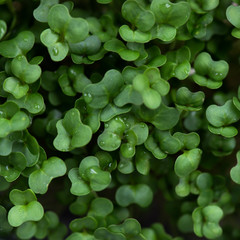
89, 176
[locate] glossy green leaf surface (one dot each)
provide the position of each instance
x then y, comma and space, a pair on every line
72, 133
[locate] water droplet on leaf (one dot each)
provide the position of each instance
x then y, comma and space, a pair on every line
87, 97
36, 106
55, 51
167, 5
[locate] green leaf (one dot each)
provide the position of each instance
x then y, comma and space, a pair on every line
98, 95
128, 95
177, 64
28, 146
101, 207
110, 139
151, 98
142, 160
60, 21
111, 111
187, 162
79, 187
115, 45
140, 194
189, 101
90, 170
28, 73
72, 133
19, 214
206, 221
27, 230
15, 87
90, 46
188, 140
167, 143
12, 119
40, 179
19, 45
151, 87
133, 12
57, 50
41, 12
90, 116
224, 115
209, 73
234, 173
26, 208
232, 13
129, 35
174, 14
236, 33
163, 118
12, 165
85, 223
164, 32
227, 132
32, 102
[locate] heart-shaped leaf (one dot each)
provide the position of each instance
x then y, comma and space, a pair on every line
40, 179
187, 162
140, 194
72, 133
19, 45
26, 208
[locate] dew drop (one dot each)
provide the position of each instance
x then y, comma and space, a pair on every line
102, 143
92, 171
130, 149
87, 97
36, 106
55, 51
167, 5
106, 125
121, 165
112, 135
20, 57
1, 113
